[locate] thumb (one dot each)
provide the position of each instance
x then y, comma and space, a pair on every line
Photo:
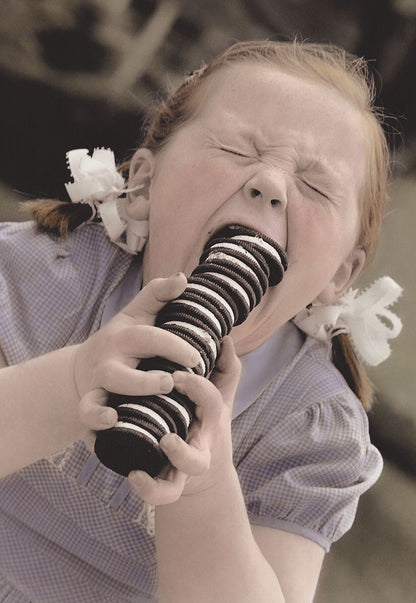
226, 374
151, 299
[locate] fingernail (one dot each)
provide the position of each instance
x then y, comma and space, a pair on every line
195, 358
107, 417
178, 376
166, 383
169, 444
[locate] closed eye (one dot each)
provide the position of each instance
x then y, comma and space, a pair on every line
317, 190
233, 152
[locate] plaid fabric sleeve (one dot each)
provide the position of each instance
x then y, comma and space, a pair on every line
53, 291
304, 459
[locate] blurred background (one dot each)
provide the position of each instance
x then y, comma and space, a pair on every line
80, 73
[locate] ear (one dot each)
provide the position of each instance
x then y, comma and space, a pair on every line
142, 167
344, 277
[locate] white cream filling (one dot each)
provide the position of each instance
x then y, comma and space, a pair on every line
211, 317
220, 255
260, 243
203, 366
216, 296
138, 429
150, 413
239, 248
233, 285
178, 406
200, 332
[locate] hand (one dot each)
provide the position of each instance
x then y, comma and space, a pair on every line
206, 457
107, 361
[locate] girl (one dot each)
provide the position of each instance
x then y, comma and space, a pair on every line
279, 137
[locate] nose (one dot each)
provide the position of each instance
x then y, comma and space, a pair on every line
269, 187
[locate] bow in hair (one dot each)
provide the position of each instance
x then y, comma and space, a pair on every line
98, 183
365, 317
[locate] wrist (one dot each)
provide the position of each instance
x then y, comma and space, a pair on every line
74, 371
206, 490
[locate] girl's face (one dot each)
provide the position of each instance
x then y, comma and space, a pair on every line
269, 150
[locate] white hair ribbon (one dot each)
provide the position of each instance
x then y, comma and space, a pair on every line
98, 183
364, 317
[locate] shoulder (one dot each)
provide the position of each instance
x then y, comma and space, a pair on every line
312, 376
304, 454
52, 290
307, 385
21, 243
321, 399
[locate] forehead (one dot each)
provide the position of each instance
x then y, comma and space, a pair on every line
272, 93
277, 108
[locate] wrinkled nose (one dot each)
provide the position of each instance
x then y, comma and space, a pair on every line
269, 187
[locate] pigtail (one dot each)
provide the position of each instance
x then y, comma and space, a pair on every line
61, 217
347, 362
58, 217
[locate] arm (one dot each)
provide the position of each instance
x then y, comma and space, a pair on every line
39, 404
206, 549
208, 553
40, 399
296, 560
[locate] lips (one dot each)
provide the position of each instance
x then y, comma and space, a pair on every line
238, 224
223, 228
229, 229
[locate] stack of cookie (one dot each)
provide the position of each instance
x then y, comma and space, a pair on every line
235, 270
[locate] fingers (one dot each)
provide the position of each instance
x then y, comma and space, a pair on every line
208, 449
158, 491
210, 395
107, 358
226, 375
193, 458
146, 305
121, 379
202, 392
93, 412
146, 342
118, 373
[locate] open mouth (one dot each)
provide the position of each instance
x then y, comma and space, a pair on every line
283, 245
247, 238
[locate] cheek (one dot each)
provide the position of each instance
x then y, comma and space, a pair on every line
308, 228
320, 232
184, 181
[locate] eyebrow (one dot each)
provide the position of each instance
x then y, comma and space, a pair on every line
308, 159
322, 166
245, 135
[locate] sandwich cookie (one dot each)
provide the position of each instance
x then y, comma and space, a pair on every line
235, 270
